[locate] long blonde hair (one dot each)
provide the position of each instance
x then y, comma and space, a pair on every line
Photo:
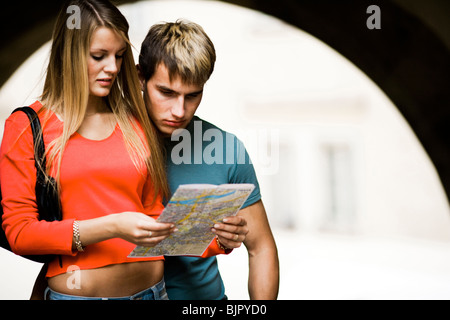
66, 89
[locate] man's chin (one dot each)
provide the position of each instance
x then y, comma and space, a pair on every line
166, 131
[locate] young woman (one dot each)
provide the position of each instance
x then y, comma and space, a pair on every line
103, 152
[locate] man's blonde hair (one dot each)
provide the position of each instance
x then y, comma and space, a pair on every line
183, 47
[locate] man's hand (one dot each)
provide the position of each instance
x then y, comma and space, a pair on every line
231, 232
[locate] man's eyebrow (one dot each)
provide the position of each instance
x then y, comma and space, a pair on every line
167, 89
196, 92
164, 88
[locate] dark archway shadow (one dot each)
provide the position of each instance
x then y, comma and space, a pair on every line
406, 58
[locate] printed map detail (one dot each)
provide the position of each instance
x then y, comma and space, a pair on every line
194, 209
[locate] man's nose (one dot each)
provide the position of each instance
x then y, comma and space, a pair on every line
178, 107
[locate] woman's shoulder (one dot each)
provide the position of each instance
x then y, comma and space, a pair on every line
20, 117
17, 135
18, 124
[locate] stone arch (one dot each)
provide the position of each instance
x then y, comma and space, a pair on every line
408, 58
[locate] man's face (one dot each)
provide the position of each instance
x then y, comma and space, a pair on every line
172, 104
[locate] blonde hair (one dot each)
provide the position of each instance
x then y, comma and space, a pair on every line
66, 89
183, 47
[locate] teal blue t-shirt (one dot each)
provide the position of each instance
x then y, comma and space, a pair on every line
203, 153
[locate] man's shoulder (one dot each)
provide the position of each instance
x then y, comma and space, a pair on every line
206, 125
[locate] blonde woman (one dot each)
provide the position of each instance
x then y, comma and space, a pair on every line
103, 152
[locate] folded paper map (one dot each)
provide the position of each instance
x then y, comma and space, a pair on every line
194, 209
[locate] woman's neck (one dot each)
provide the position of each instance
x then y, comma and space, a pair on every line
96, 105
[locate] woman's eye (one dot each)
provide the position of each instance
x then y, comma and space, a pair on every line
119, 57
97, 58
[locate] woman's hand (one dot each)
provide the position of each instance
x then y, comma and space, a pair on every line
134, 227
141, 229
232, 232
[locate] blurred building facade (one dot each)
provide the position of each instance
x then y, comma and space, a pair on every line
331, 151
333, 154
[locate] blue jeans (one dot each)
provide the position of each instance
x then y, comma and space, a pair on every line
157, 292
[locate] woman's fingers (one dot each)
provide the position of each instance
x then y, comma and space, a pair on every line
159, 231
151, 241
141, 229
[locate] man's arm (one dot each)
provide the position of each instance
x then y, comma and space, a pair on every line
263, 280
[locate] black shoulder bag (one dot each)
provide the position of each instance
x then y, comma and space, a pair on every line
47, 198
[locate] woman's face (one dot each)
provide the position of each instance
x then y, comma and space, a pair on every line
104, 61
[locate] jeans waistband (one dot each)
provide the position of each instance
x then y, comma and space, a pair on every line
156, 292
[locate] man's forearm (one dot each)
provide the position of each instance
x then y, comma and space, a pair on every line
263, 280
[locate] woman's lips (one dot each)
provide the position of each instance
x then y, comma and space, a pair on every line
105, 82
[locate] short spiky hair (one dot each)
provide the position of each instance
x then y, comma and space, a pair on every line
183, 47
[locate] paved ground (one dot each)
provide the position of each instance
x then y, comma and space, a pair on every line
312, 267
349, 267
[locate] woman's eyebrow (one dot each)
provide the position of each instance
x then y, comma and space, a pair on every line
106, 51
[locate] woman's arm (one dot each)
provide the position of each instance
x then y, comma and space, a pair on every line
18, 179
134, 227
28, 235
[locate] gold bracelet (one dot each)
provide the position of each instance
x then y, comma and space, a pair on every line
220, 245
76, 236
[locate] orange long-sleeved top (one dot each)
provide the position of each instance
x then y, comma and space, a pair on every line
97, 178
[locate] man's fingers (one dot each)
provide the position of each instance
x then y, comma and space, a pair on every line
235, 220
229, 243
229, 236
241, 230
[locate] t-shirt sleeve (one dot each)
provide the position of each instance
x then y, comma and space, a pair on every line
25, 233
244, 172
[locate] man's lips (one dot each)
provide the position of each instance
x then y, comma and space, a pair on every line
173, 123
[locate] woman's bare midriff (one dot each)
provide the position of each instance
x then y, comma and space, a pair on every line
118, 280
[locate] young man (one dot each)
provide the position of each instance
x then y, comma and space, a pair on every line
175, 62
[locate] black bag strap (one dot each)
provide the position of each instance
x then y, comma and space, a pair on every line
38, 140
